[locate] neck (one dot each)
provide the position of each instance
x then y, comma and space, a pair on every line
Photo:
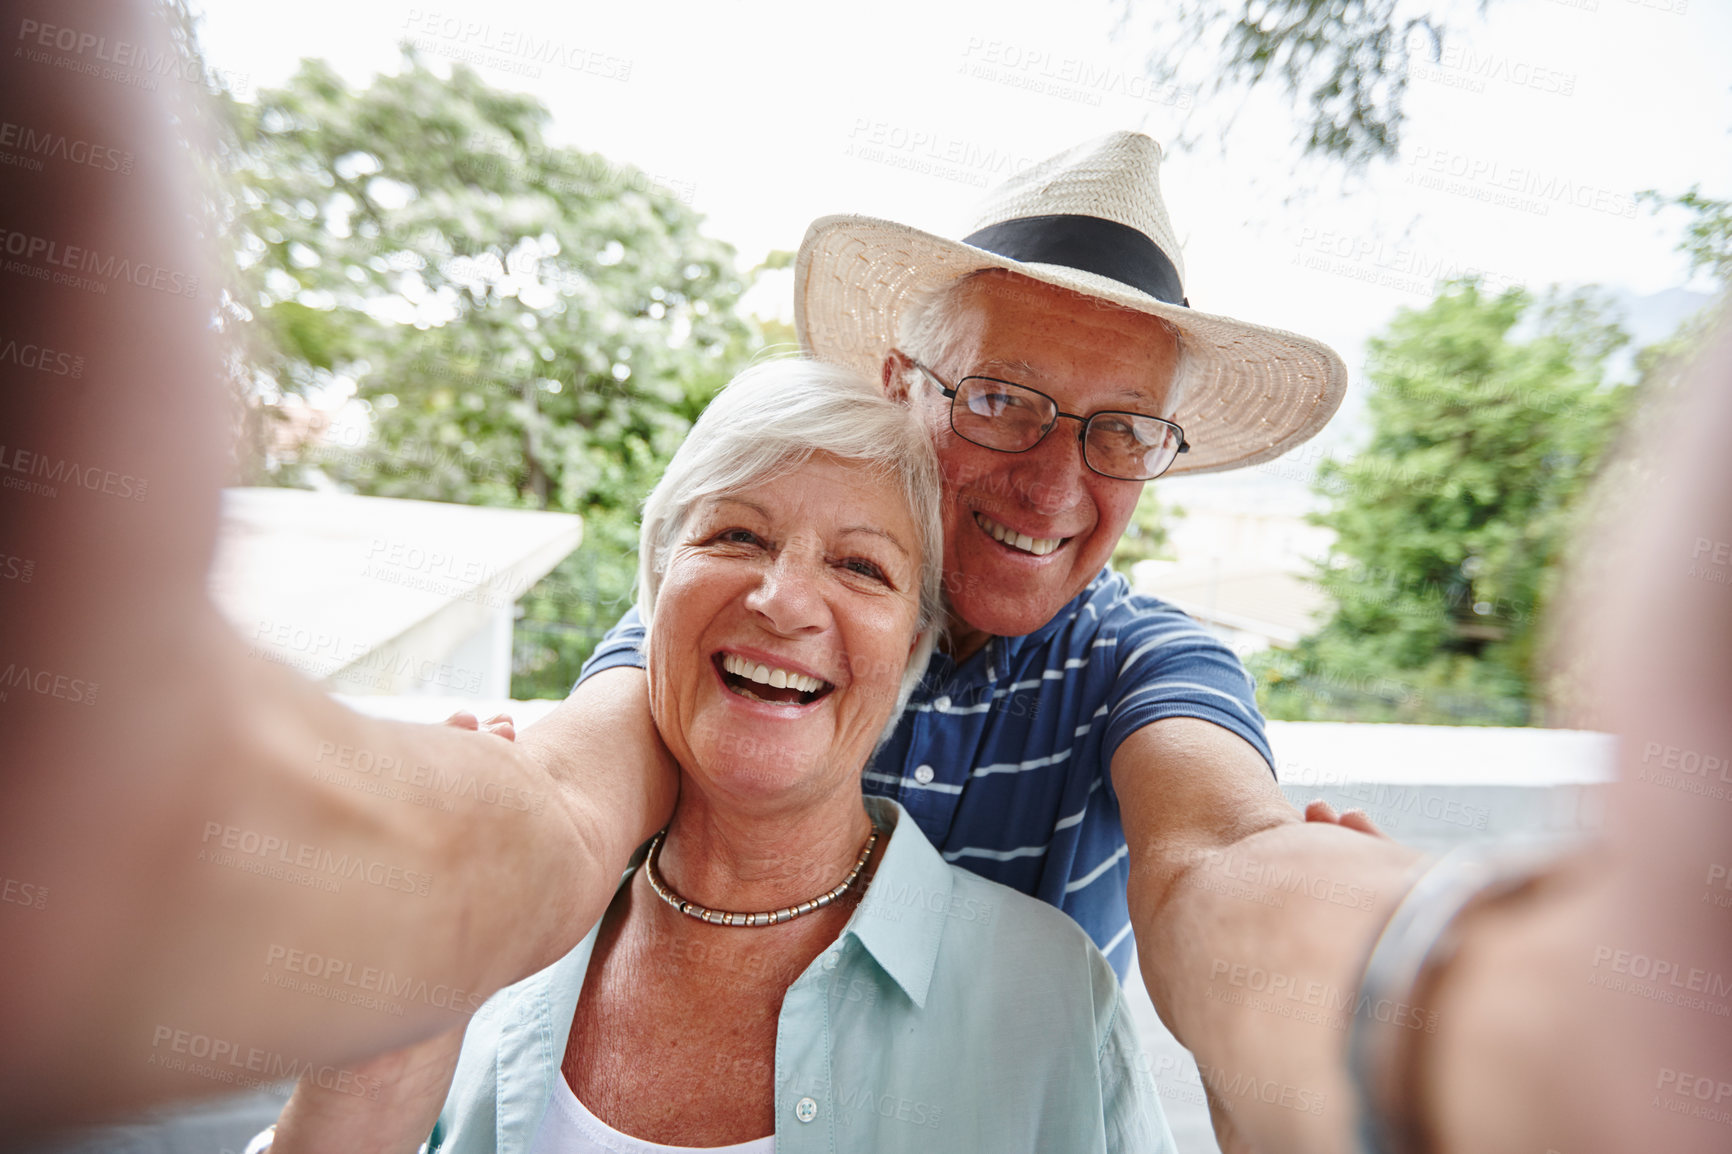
726, 859
962, 640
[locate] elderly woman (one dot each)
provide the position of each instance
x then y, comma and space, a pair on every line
792, 966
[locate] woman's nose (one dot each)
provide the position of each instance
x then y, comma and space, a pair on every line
788, 596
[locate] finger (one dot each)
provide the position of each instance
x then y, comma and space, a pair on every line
1359, 820
1320, 811
463, 719
504, 729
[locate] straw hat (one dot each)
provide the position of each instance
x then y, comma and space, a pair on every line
1090, 220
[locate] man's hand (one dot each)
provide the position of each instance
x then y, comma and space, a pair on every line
1322, 811
499, 724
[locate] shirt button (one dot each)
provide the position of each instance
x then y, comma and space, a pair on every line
805, 1109
830, 960
941, 703
923, 775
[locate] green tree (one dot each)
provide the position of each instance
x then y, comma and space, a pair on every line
526, 325
1449, 523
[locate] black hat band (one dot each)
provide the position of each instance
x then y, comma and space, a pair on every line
1088, 244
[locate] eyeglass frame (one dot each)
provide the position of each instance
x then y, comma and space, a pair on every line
950, 394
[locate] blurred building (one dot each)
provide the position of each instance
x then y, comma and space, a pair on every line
377, 596
1242, 555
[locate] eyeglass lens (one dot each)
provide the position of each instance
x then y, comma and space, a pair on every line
1013, 418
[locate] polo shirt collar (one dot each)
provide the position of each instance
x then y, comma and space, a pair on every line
901, 919
999, 652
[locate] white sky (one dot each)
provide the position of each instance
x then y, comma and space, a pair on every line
768, 115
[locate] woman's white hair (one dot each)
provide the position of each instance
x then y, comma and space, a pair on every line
769, 421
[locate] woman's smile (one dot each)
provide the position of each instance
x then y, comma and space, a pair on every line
758, 677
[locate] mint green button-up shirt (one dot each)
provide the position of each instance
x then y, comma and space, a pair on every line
951, 1014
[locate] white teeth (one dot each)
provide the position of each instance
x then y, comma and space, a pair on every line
764, 675
1039, 546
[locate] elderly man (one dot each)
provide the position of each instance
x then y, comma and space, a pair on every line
1056, 362
1072, 739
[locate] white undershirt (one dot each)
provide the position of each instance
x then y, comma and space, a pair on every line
569, 1128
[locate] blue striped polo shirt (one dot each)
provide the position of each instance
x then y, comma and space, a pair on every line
1004, 760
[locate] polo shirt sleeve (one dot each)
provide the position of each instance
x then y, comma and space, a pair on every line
623, 645
1170, 666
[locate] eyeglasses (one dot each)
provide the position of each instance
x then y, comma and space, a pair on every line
1014, 418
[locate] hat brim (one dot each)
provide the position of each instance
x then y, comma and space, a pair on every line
1250, 393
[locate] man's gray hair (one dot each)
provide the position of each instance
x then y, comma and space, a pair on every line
769, 421
930, 328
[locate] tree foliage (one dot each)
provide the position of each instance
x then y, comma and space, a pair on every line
525, 325
1346, 60
1490, 415
1707, 238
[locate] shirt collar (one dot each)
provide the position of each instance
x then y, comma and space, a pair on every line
901, 919
999, 652
900, 923
532, 1041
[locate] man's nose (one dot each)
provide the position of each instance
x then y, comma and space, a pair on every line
1049, 477
788, 595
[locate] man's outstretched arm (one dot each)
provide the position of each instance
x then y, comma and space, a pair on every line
1249, 974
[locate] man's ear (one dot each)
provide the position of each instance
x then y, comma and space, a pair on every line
895, 374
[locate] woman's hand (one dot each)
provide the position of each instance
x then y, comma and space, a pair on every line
389, 1107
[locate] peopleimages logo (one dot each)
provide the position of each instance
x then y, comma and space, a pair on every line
1038, 69
359, 768
23, 893
1460, 66
1706, 775
1276, 876
1661, 980
58, 146
242, 844
75, 259
59, 471
46, 683
527, 46
222, 1060
42, 359
121, 60
1510, 185
371, 980
931, 153
1309, 1000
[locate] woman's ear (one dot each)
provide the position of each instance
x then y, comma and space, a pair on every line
897, 367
